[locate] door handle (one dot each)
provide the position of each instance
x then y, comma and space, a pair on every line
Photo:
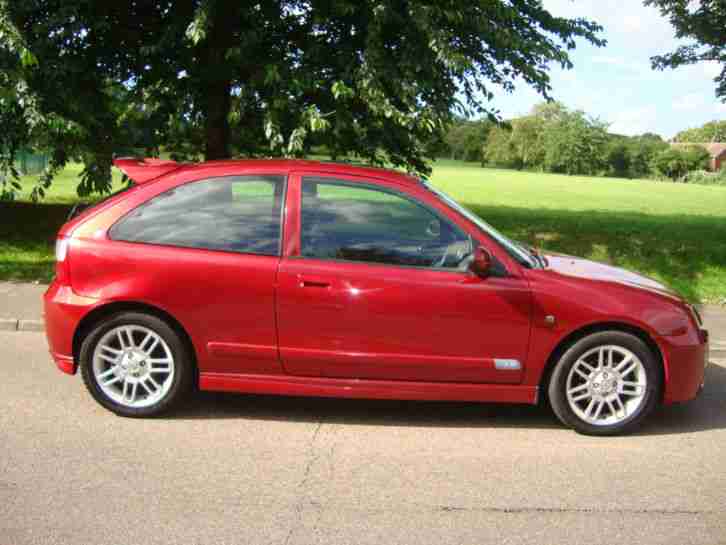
312, 282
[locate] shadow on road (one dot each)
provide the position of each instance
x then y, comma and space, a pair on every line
708, 412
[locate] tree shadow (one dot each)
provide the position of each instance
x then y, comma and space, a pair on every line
27, 236
707, 412
683, 251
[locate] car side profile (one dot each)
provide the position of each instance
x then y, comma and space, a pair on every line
310, 278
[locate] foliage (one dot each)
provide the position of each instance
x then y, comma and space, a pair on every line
376, 79
704, 177
713, 131
675, 163
701, 23
464, 139
641, 152
551, 138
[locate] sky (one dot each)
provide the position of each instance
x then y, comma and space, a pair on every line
616, 83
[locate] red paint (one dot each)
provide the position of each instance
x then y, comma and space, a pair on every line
299, 326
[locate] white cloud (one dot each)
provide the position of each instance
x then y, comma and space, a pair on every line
635, 121
712, 69
633, 23
689, 102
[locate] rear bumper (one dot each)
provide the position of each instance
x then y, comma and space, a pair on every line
685, 368
63, 312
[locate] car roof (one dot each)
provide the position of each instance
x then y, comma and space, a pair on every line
146, 170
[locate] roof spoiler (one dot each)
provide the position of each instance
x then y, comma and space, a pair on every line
145, 170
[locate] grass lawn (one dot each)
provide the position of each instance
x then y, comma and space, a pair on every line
673, 232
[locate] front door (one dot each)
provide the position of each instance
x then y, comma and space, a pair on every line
377, 287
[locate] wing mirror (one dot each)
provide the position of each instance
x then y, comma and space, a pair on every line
482, 263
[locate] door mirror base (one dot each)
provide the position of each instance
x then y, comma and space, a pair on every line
481, 265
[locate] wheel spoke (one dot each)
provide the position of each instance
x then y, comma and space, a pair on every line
155, 384
150, 350
148, 337
159, 365
625, 361
583, 363
583, 375
581, 397
589, 408
109, 359
125, 390
113, 380
631, 388
629, 369
108, 372
577, 388
619, 406
110, 349
145, 387
598, 410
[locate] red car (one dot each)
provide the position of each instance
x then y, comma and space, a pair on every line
322, 279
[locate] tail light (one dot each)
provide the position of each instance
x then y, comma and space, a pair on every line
62, 272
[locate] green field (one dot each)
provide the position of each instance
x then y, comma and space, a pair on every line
673, 232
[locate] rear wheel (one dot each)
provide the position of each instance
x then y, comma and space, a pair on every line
605, 384
134, 364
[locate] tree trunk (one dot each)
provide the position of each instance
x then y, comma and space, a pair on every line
216, 123
218, 83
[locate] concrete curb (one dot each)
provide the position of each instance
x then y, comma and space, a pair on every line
13, 324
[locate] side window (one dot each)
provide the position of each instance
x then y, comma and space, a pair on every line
235, 214
357, 222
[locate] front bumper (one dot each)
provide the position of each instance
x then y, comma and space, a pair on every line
685, 362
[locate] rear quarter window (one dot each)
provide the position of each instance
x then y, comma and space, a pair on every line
235, 214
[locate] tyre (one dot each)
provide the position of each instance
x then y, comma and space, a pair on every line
605, 384
136, 365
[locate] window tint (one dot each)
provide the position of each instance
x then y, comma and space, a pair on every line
362, 223
236, 214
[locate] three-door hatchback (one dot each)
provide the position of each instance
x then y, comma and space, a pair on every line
322, 279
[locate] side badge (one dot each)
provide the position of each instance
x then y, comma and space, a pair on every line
507, 365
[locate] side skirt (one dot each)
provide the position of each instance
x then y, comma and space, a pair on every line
366, 389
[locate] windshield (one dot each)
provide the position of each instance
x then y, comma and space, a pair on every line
517, 251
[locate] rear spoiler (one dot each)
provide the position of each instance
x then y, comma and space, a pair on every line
145, 170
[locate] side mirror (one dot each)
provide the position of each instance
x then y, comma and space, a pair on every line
482, 263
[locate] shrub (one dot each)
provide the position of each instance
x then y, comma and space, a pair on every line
703, 177
675, 163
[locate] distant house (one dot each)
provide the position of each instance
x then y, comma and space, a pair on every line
716, 149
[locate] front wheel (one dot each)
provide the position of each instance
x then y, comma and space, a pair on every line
605, 384
134, 364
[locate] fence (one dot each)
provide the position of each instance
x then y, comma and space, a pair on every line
28, 162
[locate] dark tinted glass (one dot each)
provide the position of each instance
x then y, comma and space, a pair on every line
239, 214
362, 223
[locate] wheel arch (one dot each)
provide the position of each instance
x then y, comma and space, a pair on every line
89, 321
598, 327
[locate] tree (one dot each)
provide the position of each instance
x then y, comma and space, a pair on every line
703, 22
641, 151
713, 131
465, 139
223, 77
576, 144
675, 163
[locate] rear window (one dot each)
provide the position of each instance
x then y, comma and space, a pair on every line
235, 214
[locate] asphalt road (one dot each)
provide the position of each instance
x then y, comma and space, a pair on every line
251, 469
